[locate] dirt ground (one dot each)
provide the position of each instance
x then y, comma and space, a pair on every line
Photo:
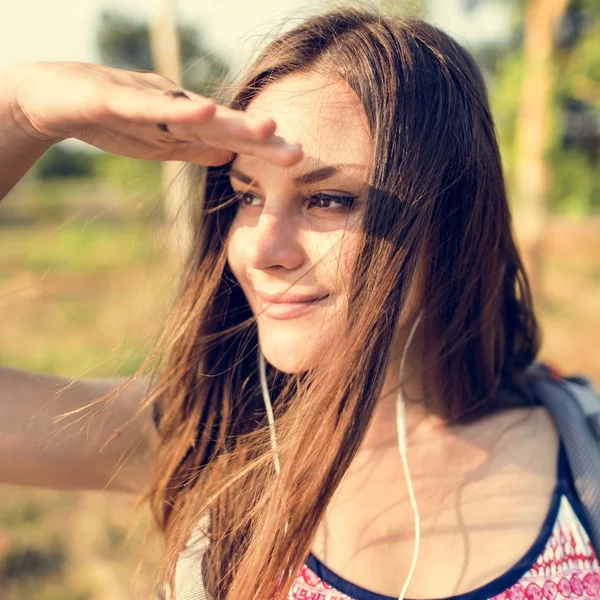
570, 311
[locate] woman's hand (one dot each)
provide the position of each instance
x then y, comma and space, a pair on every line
118, 111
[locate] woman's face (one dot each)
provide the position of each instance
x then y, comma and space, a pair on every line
296, 231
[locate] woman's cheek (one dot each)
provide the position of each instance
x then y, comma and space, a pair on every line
235, 255
338, 256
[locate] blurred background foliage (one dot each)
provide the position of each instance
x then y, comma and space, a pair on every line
125, 42
573, 151
86, 278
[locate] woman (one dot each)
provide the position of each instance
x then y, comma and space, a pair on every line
373, 270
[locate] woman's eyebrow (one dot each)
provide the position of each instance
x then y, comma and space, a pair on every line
310, 177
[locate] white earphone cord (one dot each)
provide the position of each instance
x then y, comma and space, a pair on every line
269, 408
402, 447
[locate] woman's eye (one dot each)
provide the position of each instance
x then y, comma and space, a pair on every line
331, 202
247, 199
312, 201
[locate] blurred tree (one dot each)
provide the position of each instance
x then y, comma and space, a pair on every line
574, 128
60, 162
559, 135
532, 135
166, 54
177, 52
574, 152
124, 42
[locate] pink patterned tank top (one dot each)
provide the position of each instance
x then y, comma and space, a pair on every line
561, 563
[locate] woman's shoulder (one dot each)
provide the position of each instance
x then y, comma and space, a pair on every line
532, 438
525, 437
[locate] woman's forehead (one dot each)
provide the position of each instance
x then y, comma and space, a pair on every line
323, 114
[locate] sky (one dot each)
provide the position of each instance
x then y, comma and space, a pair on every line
64, 30
58, 30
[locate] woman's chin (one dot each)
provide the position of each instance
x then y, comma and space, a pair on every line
288, 363
288, 354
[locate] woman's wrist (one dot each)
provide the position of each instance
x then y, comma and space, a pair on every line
15, 126
20, 144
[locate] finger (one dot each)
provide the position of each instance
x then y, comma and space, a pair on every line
276, 150
151, 106
200, 153
240, 122
189, 118
168, 147
226, 123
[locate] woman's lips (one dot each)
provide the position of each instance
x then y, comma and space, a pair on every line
288, 310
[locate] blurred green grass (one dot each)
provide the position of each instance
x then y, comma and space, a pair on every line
83, 297
79, 299
77, 249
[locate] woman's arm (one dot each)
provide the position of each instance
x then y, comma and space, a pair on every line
139, 115
135, 115
19, 150
37, 450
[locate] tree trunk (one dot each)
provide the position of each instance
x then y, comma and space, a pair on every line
164, 40
531, 172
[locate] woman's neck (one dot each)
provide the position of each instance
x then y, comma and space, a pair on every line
382, 431
430, 439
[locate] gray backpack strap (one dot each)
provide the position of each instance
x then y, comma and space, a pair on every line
189, 582
575, 408
583, 390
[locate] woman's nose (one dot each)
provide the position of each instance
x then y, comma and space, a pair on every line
275, 243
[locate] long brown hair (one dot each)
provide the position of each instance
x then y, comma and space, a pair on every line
437, 214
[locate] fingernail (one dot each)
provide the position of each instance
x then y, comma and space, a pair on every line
177, 94
292, 146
